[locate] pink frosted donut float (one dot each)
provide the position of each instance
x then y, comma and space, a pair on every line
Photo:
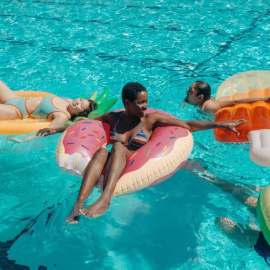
164, 154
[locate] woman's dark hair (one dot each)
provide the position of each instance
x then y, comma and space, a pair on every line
92, 106
203, 88
131, 90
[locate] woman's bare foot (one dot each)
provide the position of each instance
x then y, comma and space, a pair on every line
73, 218
96, 209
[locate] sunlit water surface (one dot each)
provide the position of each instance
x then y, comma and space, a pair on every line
74, 47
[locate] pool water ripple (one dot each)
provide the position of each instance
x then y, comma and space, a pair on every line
73, 47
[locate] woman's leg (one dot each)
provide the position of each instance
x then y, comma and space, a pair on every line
114, 167
6, 93
9, 112
240, 193
243, 236
91, 176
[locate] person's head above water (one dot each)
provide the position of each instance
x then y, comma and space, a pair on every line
81, 107
198, 93
134, 97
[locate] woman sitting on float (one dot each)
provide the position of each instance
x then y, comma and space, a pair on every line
129, 130
55, 109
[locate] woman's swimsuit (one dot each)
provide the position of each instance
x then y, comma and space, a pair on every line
43, 110
136, 141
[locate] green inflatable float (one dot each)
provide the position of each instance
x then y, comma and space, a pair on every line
263, 212
104, 105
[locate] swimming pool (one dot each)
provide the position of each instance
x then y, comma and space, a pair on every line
74, 47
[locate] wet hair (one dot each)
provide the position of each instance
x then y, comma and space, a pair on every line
203, 88
130, 91
92, 106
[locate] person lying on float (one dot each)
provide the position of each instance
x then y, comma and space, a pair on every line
55, 109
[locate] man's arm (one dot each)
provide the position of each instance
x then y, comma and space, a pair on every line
212, 107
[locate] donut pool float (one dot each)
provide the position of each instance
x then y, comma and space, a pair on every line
250, 84
165, 153
263, 212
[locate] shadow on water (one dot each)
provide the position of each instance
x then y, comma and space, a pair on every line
5, 262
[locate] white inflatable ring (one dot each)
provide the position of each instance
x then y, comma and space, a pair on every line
260, 146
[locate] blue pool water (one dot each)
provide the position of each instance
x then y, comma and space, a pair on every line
71, 47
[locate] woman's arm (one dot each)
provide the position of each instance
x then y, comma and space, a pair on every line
201, 125
58, 121
159, 120
57, 125
212, 107
50, 131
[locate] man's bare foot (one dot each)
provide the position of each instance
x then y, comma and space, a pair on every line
73, 218
96, 209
